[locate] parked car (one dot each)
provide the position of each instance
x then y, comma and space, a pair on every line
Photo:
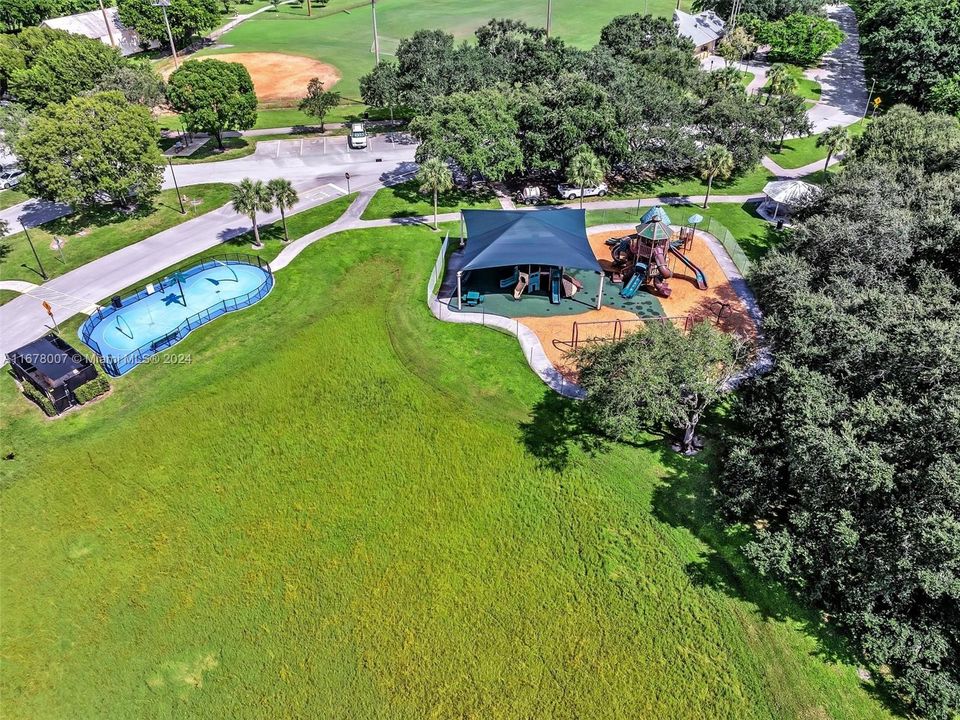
10, 179
572, 192
532, 195
357, 139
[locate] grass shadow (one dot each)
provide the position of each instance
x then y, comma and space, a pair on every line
555, 427
409, 193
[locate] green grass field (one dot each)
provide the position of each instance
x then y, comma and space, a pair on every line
345, 39
806, 88
342, 507
802, 151
9, 198
93, 234
405, 200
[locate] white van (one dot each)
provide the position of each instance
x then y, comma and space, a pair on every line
357, 139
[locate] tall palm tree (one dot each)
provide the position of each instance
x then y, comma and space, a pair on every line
779, 80
434, 176
717, 161
585, 169
249, 198
835, 140
284, 197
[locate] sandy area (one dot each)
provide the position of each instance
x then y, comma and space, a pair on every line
685, 301
278, 77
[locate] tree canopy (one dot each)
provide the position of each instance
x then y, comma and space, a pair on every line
187, 18
213, 96
41, 66
797, 39
846, 457
91, 148
912, 48
18, 14
639, 99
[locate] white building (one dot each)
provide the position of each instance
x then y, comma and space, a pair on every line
92, 25
704, 29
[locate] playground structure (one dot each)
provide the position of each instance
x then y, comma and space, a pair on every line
640, 258
531, 281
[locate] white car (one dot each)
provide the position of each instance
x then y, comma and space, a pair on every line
357, 139
10, 179
572, 192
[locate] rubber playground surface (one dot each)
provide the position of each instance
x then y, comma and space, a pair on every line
154, 316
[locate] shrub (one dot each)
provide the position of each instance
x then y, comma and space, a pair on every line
41, 400
93, 389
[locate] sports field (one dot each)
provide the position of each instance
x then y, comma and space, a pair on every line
344, 39
341, 507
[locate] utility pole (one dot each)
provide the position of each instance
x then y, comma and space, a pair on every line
163, 5
43, 273
106, 21
309, 9
176, 187
735, 13
549, 16
376, 37
867, 106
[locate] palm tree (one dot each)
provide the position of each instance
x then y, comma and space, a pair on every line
717, 161
249, 198
435, 176
284, 197
585, 169
779, 80
835, 140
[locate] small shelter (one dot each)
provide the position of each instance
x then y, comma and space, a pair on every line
784, 196
105, 26
555, 238
53, 367
704, 29
656, 214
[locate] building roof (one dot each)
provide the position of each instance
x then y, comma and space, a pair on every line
790, 192
701, 29
503, 238
91, 25
49, 360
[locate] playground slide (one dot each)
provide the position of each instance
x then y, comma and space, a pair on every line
630, 289
521, 286
555, 286
700, 278
665, 272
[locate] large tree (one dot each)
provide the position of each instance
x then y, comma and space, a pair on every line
845, 459
187, 18
138, 82
659, 377
213, 96
318, 102
789, 112
798, 39
476, 130
910, 47
90, 148
53, 66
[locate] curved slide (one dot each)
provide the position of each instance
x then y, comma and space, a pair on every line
699, 277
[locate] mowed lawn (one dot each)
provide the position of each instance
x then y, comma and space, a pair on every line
406, 200
798, 152
92, 234
345, 39
342, 507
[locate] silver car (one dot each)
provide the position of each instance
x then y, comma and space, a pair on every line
10, 179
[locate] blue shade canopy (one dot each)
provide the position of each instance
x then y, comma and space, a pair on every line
503, 238
656, 214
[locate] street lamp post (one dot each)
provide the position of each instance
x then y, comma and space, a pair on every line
346, 177
163, 5
43, 273
549, 16
106, 21
175, 186
376, 37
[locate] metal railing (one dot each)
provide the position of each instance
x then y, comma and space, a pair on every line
117, 365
